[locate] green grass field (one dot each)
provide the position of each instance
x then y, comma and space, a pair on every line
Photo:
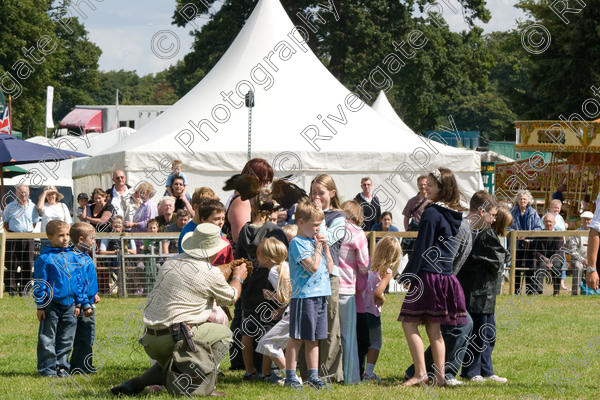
540, 339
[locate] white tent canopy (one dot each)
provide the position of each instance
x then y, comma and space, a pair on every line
297, 99
492, 156
383, 107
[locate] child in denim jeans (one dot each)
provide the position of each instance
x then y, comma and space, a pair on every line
59, 299
82, 235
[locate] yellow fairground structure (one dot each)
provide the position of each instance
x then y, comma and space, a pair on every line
575, 162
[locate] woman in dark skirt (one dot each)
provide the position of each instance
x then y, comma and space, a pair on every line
435, 297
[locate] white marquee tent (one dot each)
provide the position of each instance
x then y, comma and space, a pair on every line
383, 107
297, 99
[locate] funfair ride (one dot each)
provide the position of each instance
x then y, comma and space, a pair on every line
575, 162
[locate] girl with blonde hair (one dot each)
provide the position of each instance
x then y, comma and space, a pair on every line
383, 266
272, 344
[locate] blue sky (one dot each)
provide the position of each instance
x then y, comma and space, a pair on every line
124, 30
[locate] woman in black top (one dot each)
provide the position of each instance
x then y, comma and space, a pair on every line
102, 212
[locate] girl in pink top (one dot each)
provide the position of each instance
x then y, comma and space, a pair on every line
353, 257
354, 251
385, 262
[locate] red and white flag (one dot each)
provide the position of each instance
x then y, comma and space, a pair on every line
5, 122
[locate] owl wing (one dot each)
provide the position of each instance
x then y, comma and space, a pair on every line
286, 193
247, 185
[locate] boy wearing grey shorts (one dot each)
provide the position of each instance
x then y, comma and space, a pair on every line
310, 265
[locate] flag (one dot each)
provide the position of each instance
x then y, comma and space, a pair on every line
5, 120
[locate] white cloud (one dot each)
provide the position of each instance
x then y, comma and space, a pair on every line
130, 48
124, 31
504, 16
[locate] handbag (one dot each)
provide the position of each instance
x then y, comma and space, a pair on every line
407, 244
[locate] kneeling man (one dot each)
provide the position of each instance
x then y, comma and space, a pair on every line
187, 348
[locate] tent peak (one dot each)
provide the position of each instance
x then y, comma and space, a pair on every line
383, 107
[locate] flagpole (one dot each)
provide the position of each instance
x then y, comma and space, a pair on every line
10, 113
117, 109
2, 191
250, 105
49, 101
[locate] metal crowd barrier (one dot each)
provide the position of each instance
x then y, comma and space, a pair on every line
510, 240
130, 265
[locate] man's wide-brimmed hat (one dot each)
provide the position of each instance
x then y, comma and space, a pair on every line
204, 242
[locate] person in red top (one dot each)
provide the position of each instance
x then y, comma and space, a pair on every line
224, 256
213, 211
210, 211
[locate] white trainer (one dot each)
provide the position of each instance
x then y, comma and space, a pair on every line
477, 378
453, 382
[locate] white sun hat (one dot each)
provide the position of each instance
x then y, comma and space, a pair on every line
204, 242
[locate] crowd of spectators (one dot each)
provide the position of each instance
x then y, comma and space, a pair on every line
177, 211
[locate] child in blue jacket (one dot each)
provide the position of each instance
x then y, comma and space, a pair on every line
82, 236
59, 297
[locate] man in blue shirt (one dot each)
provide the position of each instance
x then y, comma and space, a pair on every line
20, 215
